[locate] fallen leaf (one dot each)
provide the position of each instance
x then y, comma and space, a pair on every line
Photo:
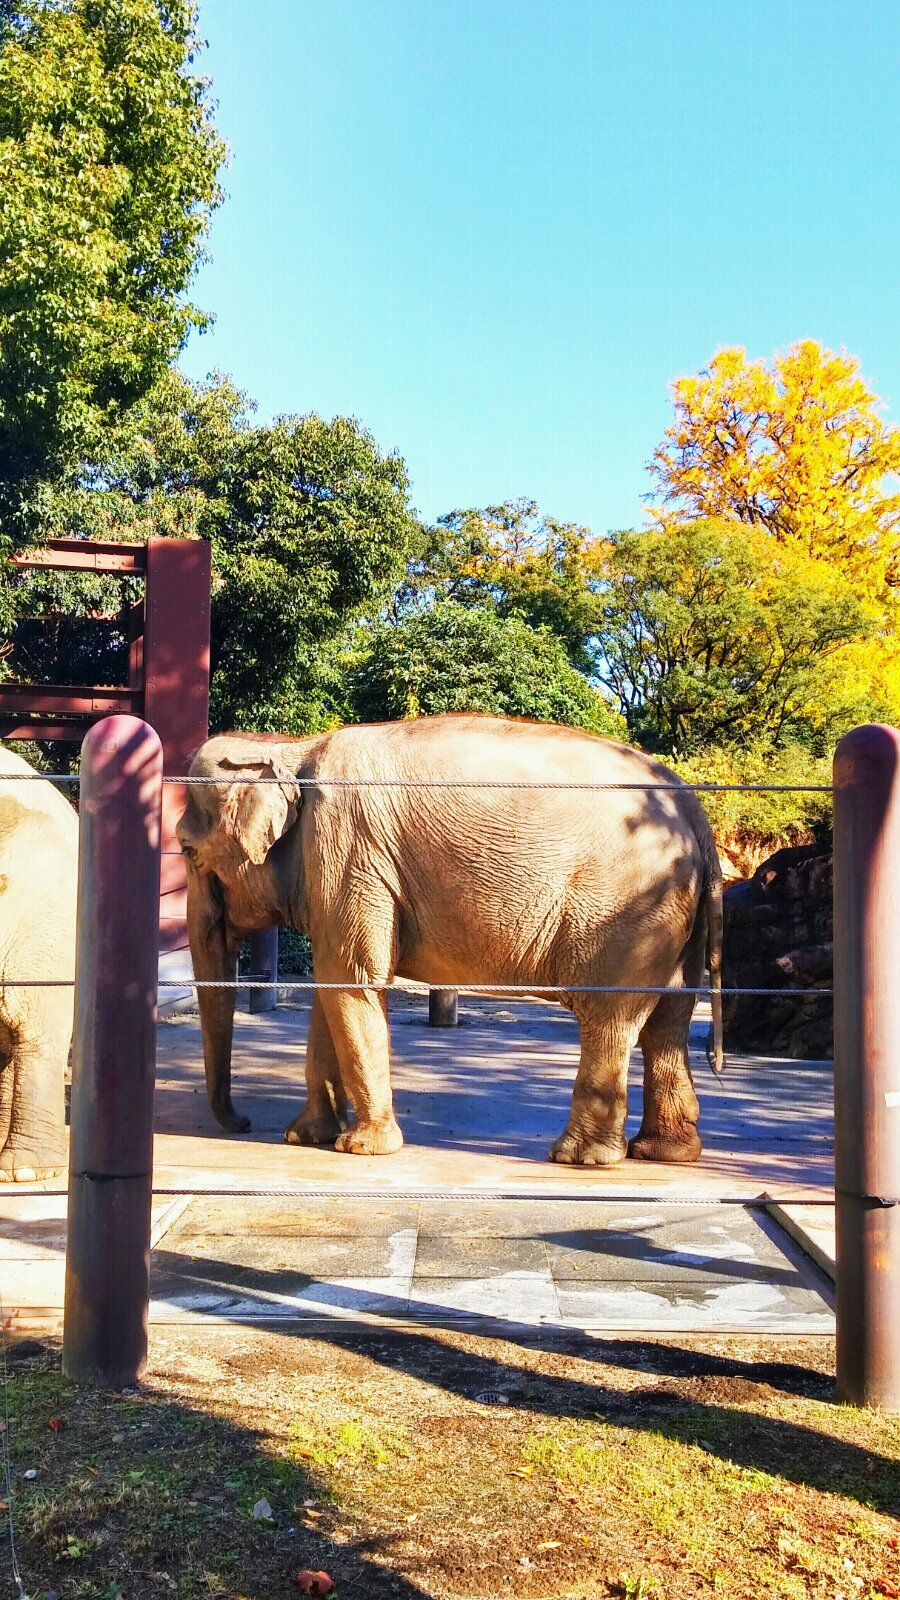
884, 1586
521, 1472
4, 1505
262, 1511
314, 1582
56, 1424
549, 1544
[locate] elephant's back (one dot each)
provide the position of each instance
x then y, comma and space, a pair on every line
488, 764
526, 802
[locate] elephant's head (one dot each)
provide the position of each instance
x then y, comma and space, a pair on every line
250, 800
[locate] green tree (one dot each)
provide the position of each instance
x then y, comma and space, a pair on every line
309, 524
453, 657
108, 171
703, 643
517, 562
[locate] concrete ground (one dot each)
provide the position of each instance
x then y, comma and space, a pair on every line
469, 1224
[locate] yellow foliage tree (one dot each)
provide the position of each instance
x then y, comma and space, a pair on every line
795, 448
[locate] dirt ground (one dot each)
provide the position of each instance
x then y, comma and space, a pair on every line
442, 1465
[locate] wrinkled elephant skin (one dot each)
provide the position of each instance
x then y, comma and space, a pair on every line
388, 845
38, 887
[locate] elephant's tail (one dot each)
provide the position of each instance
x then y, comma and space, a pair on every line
715, 1047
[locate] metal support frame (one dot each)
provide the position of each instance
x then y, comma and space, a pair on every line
114, 1054
867, 1065
264, 966
168, 677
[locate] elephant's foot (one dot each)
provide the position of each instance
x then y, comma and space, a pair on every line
30, 1166
577, 1149
680, 1143
231, 1120
308, 1128
371, 1139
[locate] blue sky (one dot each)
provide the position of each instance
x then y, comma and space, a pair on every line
494, 230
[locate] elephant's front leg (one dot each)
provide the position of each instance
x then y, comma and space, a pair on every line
595, 1133
34, 1146
359, 1028
324, 1117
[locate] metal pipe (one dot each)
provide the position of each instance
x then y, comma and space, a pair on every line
263, 965
867, 1065
443, 1008
114, 1055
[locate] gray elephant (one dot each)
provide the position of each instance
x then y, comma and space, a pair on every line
38, 888
390, 847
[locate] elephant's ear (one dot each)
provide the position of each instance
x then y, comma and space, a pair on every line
256, 814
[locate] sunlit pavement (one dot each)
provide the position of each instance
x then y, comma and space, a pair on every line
469, 1225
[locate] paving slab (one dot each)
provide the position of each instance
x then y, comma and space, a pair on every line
707, 1266
813, 1227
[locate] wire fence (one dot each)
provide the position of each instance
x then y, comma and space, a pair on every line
305, 985
495, 989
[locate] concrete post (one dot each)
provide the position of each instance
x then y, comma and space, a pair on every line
867, 1065
264, 965
443, 1008
114, 1054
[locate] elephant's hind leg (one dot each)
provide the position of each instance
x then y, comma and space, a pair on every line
668, 1130
324, 1117
595, 1133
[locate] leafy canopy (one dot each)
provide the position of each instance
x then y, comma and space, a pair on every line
794, 446
702, 644
453, 657
517, 562
108, 171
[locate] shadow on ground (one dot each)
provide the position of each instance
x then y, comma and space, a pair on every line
139, 1494
500, 1086
681, 1411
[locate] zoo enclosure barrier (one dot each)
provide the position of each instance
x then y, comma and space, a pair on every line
110, 1181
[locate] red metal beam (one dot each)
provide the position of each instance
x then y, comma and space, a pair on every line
64, 699
83, 555
34, 728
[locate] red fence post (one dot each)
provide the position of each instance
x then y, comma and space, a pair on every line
175, 671
867, 1065
114, 1054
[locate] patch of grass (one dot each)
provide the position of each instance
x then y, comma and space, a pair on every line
381, 1470
336, 1444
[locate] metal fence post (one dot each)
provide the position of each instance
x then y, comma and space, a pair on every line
443, 1008
263, 965
114, 1054
867, 1065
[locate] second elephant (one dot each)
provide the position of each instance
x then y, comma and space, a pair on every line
38, 890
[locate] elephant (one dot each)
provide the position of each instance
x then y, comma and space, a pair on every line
38, 890
455, 849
